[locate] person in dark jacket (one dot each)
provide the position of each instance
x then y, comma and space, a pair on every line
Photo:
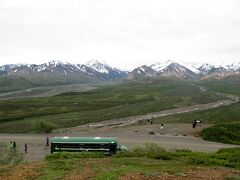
194, 124
26, 148
14, 145
47, 141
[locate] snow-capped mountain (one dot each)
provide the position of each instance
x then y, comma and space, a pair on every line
166, 69
98, 66
184, 70
178, 71
96, 70
93, 70
5, 68
162, 65
158, 67
105, 70
233, 67
141, 73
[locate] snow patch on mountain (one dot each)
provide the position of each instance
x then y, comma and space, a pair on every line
8, 67
233, 67
55, 63
159, 66
98, 66
193, 66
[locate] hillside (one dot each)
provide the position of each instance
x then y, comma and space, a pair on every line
180, 70
21, 76
150, 162
109, 102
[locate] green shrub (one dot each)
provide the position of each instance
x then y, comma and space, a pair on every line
72, 155
205, 159
183, 150
45, 126
9, 155
150, 150
151, 132
225, 133
224, 157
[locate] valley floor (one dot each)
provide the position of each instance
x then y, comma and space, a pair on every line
131, 131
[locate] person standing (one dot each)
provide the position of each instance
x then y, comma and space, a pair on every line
194, 124
47, 141
14, 145
26, 148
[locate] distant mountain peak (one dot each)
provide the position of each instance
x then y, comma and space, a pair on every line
55, 63
95, 62
99, 66
235, 66
159, 66
99, 70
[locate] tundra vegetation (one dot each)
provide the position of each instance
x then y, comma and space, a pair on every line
150, 161
226, 119
108, 102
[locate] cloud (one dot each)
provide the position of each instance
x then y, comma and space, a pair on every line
124, 33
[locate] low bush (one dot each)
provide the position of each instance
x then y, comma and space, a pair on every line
74, 155
150, 150
9, 155
225, 133
45, 126
224, 157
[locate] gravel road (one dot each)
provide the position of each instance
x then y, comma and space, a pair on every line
172, 136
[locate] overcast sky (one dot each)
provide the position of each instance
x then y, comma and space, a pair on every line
124, 33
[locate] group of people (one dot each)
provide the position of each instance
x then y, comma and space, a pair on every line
13, 145
150, 121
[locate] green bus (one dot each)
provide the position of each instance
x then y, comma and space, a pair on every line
78, 144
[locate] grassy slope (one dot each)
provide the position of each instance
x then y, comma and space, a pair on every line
213, 116
150, 160
231, 86
217, 115
71, 109
225, 133
13, 83
147, 162
230, 115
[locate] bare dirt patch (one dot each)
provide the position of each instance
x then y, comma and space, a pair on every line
87, 172
29, 171
195, 174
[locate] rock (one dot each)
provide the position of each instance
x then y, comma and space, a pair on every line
151, 132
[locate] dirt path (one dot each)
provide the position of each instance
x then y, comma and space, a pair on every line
173, 136
195, 174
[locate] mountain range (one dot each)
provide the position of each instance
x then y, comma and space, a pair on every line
185, 71
98, 71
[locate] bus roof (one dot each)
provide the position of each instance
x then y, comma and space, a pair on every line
66, 139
